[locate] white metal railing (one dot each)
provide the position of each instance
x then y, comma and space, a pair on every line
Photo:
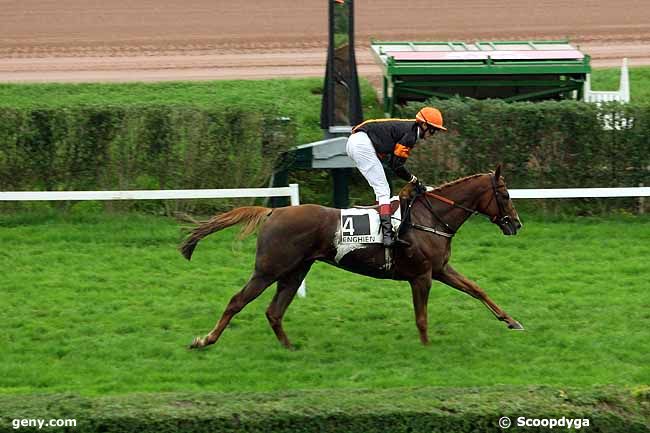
580, 192
290, 191
599, 96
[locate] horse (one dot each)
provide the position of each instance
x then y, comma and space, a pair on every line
291, 239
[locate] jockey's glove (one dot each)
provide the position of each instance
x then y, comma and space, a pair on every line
419, 186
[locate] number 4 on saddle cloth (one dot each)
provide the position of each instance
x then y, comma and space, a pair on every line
361, 225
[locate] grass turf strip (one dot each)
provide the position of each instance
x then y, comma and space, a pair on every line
602, 409
104, 304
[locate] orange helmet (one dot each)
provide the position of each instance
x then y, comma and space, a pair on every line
430, 116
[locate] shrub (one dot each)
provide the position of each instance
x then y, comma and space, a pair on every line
131, 147
550, 144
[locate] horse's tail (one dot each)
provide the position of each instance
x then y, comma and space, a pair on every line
253, 216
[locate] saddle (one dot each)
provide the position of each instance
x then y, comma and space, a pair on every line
360, 224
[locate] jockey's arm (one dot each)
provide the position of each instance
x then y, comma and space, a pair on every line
397, 164
400, 154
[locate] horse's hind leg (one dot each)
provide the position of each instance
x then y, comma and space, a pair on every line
287, 287
458, 281
255, 286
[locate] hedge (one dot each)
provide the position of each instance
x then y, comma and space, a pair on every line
431, 410
542, 145
132, 147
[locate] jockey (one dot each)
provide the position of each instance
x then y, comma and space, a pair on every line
390, 140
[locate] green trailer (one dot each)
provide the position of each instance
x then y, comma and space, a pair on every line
511, 70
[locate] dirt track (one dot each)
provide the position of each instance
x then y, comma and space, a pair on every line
145, 40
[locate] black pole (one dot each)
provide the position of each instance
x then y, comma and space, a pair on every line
341, 191
280, 179
341, 81
327, 102
356, 110
341, 71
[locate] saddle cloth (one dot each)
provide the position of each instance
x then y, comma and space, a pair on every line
362, 226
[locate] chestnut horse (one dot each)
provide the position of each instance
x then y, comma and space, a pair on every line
291, 239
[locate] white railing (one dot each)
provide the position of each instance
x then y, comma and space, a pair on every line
599, 96
291, 191
611, 121
580, 192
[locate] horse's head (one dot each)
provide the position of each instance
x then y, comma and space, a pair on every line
496, 204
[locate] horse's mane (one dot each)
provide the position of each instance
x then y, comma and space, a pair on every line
457, 181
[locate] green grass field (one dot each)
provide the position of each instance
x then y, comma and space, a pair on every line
103, 304
608, 79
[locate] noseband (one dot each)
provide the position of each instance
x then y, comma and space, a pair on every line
500, 219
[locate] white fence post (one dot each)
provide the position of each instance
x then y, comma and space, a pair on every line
295, 194
624, 82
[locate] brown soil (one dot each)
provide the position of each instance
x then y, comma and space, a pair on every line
150, 40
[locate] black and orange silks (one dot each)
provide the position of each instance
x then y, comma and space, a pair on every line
393, 140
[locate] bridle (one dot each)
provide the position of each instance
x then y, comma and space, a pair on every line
501, 219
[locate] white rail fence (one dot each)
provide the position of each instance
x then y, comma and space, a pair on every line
291, 191
580, 192
639, 191
600, 96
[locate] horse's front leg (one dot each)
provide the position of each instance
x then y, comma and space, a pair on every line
458, 281
420, 287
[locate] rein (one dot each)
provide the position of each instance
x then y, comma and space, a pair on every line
450, 231
450, 202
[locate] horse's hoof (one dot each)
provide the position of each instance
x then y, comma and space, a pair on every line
516, 326
196, 343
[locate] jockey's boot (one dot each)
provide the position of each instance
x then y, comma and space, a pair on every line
390, 238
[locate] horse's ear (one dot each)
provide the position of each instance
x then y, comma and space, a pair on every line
497, 172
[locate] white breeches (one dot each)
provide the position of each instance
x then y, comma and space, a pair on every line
362, 152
